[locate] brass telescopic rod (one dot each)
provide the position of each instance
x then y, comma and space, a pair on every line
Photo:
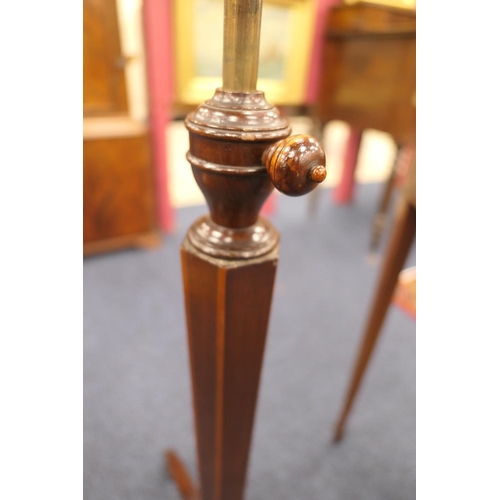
242, 19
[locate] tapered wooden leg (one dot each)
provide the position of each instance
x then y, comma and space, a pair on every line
394, 259
344, 192
227, 308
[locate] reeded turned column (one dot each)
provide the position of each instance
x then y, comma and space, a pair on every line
239, 148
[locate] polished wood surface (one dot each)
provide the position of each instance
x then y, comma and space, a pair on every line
227, 310
401, 240
296, 164
104, 89
239, 146
229, 261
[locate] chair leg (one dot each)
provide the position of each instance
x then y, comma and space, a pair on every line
344, 192
400, 243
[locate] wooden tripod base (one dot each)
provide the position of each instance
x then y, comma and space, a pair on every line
177, 471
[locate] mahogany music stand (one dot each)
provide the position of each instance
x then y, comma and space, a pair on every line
239, 148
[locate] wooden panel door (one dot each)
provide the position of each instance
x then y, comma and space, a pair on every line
119, 202
117, 186
104, 89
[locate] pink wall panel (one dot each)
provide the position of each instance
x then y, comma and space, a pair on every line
158, 40
316, 57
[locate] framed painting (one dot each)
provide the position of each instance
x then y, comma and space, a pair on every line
285, 48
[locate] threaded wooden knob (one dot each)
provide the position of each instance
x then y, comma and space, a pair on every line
296, 164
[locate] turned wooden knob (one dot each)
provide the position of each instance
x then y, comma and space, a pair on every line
296, 164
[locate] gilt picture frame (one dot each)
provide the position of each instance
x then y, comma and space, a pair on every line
285, 49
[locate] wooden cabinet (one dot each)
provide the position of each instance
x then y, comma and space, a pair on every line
104, 89
368, 73
119, 207
118, 186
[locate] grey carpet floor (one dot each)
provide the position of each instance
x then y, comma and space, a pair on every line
137, 397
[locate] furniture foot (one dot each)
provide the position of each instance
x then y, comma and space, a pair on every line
177, 471
338, 434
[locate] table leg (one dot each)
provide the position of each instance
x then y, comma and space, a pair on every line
344, 192
400, 243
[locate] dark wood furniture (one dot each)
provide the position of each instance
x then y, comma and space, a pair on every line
368, 77
119, 207
239, 148
368, 81
402, 237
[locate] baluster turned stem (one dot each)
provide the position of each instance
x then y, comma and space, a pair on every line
229, 257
